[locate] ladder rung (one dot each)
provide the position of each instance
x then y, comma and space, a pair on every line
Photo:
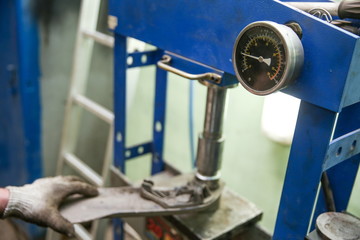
95, 108
83, 169
100, 37
82, 233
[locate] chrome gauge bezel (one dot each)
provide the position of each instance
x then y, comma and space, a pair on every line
294, 54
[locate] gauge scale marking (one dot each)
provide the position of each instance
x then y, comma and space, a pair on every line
267, 57
261, 58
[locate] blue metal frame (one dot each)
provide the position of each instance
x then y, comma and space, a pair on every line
313, 152
121, 151
20, 144
203, 33
159, 120
20, 111
155, 147
342, 166
309, 147
29, 76
120, 58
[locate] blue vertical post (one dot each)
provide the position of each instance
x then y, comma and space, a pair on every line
29, 90
12, 162
20, 110
120, 66
29, 74
159, 121
309, 147
20, 137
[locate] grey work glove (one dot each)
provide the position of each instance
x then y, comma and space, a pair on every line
38, 202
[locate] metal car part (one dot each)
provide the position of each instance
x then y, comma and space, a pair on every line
129, 201
211, 140
192, 194
122, 202
335, 225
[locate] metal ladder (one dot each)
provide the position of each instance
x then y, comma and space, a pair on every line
87, 34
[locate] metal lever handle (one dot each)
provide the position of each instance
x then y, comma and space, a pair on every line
164, 64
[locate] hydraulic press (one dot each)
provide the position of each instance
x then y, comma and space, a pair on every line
267, 46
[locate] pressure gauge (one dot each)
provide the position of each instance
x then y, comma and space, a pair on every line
267, 57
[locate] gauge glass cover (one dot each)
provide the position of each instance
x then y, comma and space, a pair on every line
266, 57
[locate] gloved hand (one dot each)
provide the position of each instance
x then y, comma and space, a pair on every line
38, 202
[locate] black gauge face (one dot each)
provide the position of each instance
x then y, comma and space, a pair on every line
260, 58
267, 57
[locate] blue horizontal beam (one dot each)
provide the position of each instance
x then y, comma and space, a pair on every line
205, 31
342, 148
141, 59
138, 150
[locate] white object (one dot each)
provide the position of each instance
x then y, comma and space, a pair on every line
279, 117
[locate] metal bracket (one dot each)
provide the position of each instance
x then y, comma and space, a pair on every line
138, 150
142, 59
342, 148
